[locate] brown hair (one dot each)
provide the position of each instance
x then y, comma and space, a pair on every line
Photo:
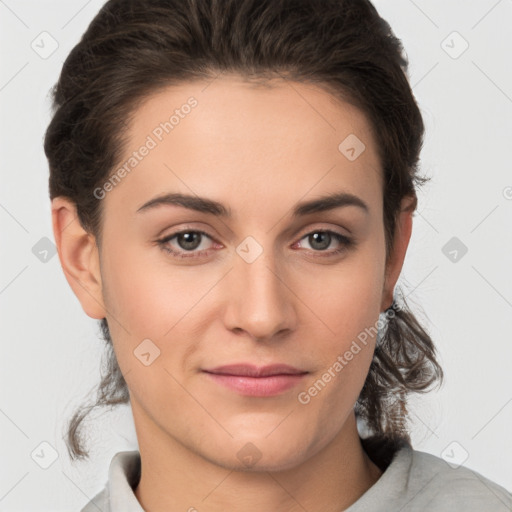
133, 48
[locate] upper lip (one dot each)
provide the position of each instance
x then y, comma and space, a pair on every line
250, 370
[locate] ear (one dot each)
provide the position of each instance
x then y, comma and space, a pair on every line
79, 257
403, 230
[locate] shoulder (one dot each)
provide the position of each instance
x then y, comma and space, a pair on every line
436, 485
416, 481
100, 503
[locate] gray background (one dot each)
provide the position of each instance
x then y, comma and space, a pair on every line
51, 351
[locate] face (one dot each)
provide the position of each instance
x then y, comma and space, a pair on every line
251, 280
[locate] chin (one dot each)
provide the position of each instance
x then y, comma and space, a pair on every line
257, 454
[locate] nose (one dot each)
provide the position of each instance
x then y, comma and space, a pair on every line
260, 300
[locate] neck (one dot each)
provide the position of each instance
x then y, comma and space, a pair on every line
173, 478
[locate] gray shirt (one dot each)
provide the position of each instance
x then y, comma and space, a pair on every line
412, 481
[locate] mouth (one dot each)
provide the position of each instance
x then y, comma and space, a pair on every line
249, 370
250, 380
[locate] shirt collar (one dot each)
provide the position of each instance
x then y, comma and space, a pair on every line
124, 475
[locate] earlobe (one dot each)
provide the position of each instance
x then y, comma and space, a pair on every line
79, 257
403, 231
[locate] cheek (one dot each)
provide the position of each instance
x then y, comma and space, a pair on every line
347, 301
139, 307
347, 297
158, 302
148, 295
346, 351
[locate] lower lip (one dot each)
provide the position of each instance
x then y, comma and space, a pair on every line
257, 386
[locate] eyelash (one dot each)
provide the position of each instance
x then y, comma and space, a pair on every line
346, 243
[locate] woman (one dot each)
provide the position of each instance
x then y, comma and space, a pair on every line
233, 184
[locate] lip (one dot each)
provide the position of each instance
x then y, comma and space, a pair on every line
251, 370
251, 380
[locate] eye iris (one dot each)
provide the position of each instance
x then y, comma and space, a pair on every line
189, 240
321, 237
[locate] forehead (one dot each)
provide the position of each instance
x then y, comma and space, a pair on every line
227, 134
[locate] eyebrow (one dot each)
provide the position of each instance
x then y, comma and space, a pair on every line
204, 205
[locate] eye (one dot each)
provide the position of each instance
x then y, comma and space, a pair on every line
188, 242
320, 240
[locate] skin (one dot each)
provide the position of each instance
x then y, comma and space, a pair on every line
259, 150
